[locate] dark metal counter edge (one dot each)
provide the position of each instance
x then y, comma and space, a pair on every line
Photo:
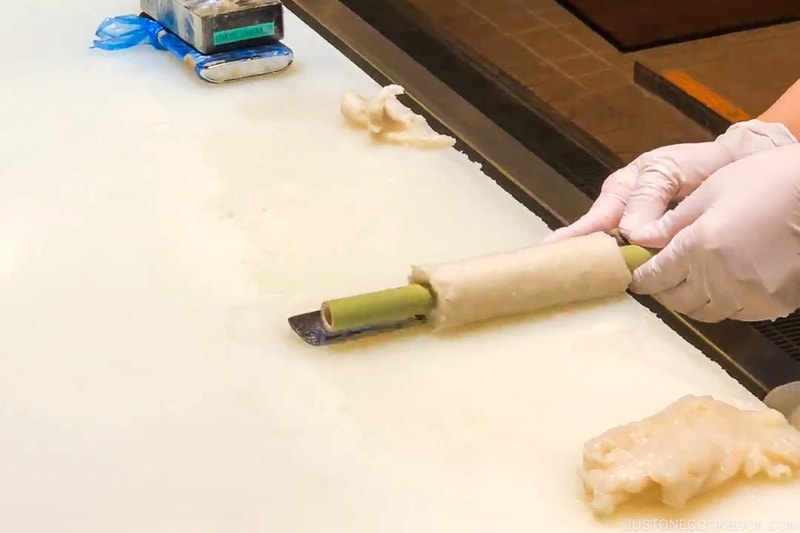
746, 355
655, 83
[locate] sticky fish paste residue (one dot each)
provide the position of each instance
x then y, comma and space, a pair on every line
387, 119
695, 445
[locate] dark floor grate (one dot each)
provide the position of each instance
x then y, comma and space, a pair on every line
784, 333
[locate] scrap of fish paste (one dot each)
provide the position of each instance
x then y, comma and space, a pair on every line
354, 109
387, 119
693, 446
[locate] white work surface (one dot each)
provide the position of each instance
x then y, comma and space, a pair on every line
155, 234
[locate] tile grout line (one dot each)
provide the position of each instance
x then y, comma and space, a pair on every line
548, 61
533, 51
588, 49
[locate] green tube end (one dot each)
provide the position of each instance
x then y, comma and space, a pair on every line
376, 308
635, 256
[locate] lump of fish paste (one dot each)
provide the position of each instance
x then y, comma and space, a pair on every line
693, 446
387, 119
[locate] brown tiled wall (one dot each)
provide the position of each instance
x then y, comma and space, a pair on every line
749, 68
545, 49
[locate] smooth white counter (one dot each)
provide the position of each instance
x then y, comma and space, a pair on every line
155, 234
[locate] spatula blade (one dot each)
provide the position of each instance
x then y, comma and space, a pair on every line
310, 328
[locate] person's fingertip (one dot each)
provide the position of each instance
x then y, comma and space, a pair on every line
661, 232
642, 277
552, 237
657, 275
652, 235
794, 418
558, 234
648, 200
583, 226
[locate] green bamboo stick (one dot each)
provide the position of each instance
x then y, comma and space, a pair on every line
381, 307
635, 256
401, 303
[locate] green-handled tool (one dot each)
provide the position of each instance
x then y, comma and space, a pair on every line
352, 317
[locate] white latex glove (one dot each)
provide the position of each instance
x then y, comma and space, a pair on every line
786, 399
731, 249
642, 191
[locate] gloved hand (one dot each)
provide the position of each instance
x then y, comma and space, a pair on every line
641, 192
731, 249
786, 399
